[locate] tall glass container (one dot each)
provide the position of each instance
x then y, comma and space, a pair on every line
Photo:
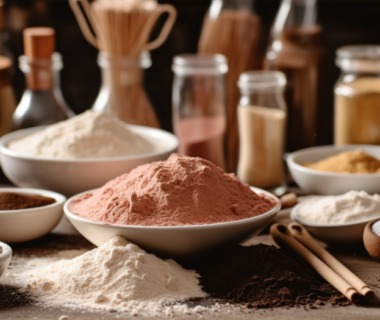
296, 50
199, 118
357, 95
232, 28
262, 124
122, 92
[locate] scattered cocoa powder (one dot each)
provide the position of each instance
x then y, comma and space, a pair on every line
262, 276
14, 201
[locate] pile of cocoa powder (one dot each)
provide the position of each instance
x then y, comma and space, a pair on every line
15, 201
263, 276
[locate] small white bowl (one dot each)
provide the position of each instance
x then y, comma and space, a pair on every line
28, 224
72, 176
349, 233
320, 182
5, 257
179, 242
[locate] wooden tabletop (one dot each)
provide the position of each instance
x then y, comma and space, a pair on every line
64, 237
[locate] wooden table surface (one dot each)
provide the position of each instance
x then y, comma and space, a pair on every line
65, 237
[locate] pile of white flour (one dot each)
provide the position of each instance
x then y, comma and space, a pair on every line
88, 135
350, 207
118, 276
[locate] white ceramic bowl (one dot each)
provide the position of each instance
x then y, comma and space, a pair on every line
5, 257
179, 242
28, 224
350, 233
71, 177
319, 182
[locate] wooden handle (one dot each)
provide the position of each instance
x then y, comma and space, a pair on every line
282, 237
83, 25
303, 236
165, 29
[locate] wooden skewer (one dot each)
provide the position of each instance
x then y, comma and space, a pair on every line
303, 236
282, 237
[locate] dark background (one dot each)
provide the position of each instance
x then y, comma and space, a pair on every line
344, 22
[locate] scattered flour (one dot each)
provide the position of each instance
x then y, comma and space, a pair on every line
117, 276
88, 135
349, 207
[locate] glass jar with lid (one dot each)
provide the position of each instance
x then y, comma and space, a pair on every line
357, 95
262, 124
198, 100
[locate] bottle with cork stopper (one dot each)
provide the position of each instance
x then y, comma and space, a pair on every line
42, 102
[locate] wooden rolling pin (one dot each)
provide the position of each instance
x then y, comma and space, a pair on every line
282, 237
302, 235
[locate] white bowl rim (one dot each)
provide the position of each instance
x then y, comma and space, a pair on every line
7, 252
272, 211
4, 141
295, 218
60, 199
291, 162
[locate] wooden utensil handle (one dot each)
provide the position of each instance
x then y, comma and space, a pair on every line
282, 237
165, 29
302, 235
83, 25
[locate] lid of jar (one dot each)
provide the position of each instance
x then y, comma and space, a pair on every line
364, 58
263, 80
199, 64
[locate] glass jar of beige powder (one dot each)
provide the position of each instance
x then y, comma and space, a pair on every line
262, 124
357, 95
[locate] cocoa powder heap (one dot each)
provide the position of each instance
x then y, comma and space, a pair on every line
262, 276
14, 201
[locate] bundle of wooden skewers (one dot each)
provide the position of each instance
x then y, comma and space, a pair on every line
122, 31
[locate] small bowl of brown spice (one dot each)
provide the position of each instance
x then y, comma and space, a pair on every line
27, 214
333, 170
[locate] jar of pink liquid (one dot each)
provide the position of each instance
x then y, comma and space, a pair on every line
199, 103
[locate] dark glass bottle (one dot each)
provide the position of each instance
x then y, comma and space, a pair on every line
42, 102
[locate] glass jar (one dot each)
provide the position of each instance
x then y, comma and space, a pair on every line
357, 95
42, 102
199, 118
232, 28
296, 49
122, 92
262, 124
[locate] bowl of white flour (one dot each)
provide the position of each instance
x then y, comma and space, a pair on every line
81, 153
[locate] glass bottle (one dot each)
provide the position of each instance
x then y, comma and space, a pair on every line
42, 102
7, 97
262, 124
232, 28
296, 50
122, 91
198, 99
357, 95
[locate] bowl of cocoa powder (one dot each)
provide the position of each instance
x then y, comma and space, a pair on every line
27, 213
178, 208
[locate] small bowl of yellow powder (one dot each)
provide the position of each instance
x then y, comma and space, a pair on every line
333, 170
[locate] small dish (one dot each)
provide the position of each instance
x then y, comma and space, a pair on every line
28, 224
5, 257
372, 241
179, 242
327, 183
72, 176
350, 233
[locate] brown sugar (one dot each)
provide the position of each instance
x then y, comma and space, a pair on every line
355, 161
15, 201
